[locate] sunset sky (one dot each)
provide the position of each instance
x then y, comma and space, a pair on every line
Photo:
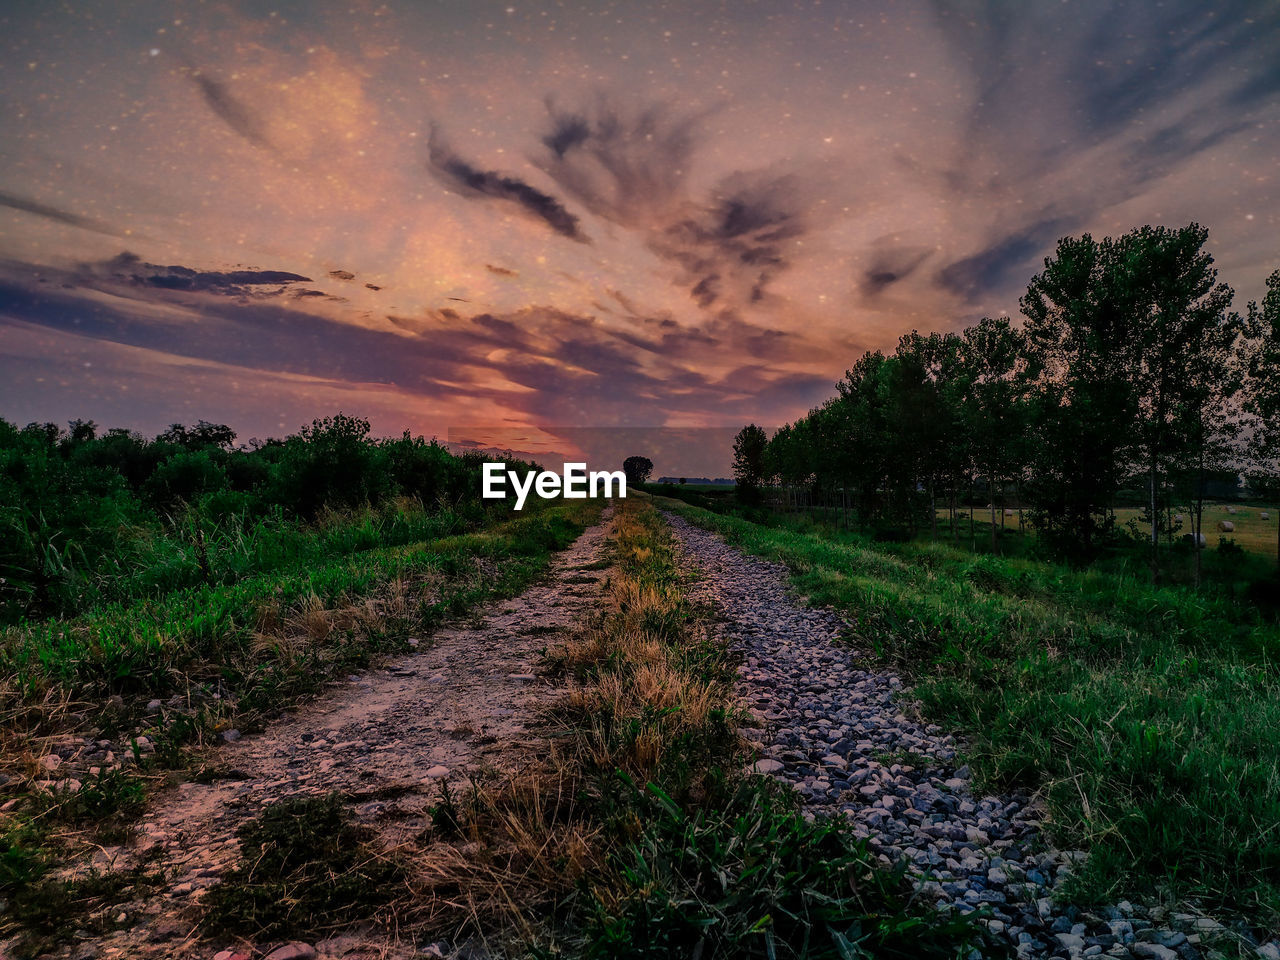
512, 221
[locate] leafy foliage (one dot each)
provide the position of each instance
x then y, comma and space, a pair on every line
1125, 379
638, 469
86, 519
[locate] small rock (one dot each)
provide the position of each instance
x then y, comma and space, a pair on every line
1154, 950
230, 736
767, 765
1072, 942
51, 762
438, 771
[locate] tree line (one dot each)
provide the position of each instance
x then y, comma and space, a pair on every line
76, 502
1129, 370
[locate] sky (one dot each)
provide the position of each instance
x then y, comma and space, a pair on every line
551, 226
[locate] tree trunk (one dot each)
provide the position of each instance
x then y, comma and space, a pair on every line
991, 492
1155, 528
1197, 523
973, 530
933, 510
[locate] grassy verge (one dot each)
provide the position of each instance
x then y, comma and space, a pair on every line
214, 656
640, 837
262, 640
1146, 716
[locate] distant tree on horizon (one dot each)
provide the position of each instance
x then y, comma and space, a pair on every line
638, 469
748, 459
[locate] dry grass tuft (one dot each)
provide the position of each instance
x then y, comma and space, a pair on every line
514, 854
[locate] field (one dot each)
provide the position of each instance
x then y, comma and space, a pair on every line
1252, 533
1144, 716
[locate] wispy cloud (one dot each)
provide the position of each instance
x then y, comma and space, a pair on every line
469, 180
131, 268
57, 215
234, 112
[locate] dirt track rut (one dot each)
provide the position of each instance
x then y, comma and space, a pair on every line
464, 705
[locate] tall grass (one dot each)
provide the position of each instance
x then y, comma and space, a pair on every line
150, 561
267, 637
664, 847
1145, 716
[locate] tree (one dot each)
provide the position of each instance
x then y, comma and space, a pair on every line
1129, 342
1082, 403
1182, 342
991, 409
637, 469
331, 463
748, 461
1263, 397
203, 435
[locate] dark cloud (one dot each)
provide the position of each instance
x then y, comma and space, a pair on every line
623, 164
372, 286
130, 267
890, 264
14, 202
630, 164
1010, 257
233, 111
501, 271
305, 294
554, 365
1131, 93
470, 181
732, 247
342, 275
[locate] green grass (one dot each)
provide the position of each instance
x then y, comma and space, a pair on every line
701, 860
262, 641
1147, 716
304, 867
268, 637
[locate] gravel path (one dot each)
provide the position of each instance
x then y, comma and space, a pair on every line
850, 741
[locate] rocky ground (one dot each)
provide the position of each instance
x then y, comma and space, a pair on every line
464, 705
849, 740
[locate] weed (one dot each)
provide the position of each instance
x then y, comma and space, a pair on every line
304, 867
744, 874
